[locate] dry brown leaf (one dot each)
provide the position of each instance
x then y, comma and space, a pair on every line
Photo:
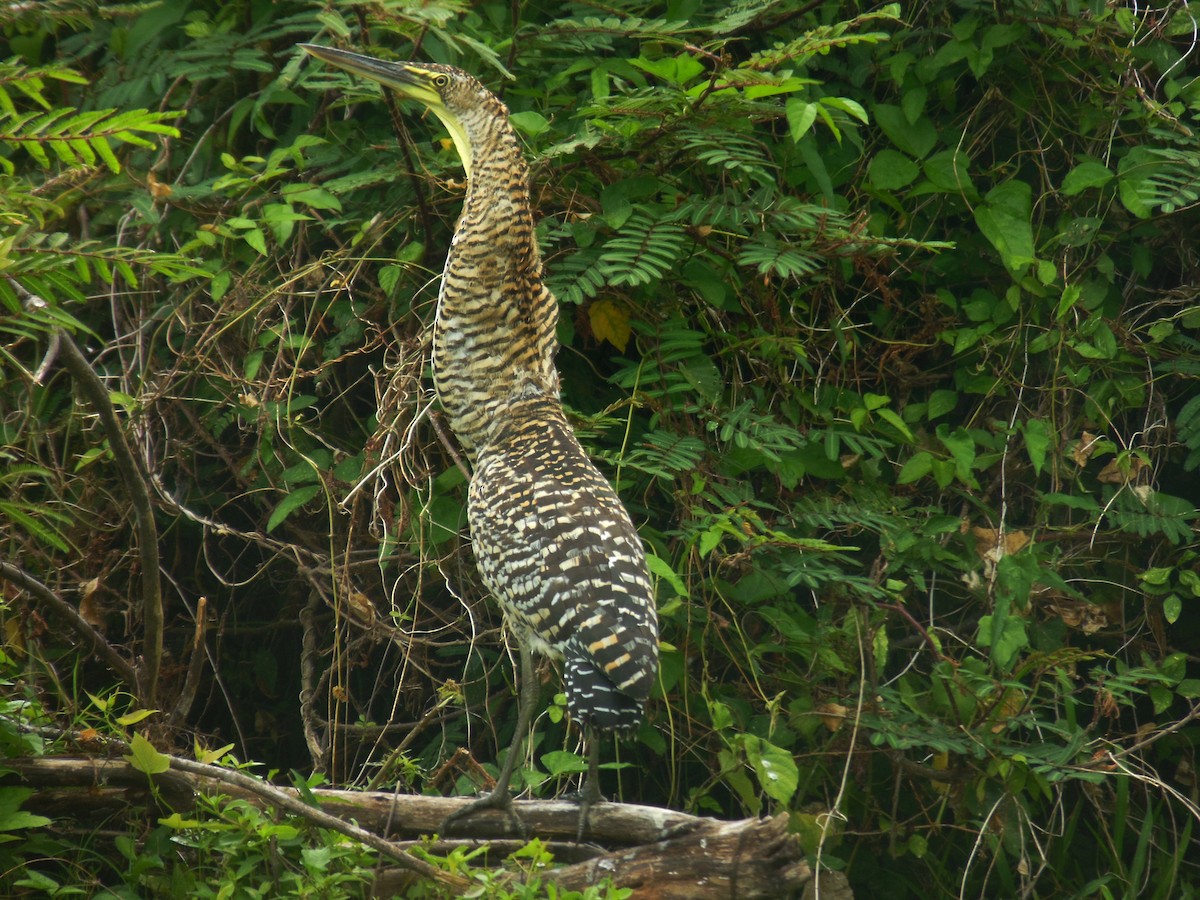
1122, 472
1079, 614
1083, 449
610, 322
833, 715
987, 542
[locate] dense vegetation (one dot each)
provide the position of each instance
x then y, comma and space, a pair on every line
885, 321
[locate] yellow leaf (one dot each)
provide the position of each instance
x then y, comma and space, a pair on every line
610, 322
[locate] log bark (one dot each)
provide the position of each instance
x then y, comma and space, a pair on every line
659, 853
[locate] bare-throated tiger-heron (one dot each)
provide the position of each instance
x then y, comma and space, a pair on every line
553, 542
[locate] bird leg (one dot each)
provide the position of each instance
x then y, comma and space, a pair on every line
589, 792
499, 798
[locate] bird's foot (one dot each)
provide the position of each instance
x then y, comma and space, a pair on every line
499, 800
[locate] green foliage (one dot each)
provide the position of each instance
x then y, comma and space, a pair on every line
884, 323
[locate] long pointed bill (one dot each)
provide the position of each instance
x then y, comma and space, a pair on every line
406, 79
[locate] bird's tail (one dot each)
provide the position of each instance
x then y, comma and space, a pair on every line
593, 700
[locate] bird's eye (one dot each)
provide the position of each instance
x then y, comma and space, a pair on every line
441, 80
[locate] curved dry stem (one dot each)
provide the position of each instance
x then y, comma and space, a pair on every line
152, 608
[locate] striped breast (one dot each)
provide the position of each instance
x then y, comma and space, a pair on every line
558, 551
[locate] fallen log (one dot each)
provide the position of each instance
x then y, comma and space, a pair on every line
659, 853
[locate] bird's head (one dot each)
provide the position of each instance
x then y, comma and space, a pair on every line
449, 93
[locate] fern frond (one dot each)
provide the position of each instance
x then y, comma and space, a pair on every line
665, 454
770, 257
643, 251
1187, 428
81, 138
1153, 513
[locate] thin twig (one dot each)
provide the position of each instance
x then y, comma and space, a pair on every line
99, 646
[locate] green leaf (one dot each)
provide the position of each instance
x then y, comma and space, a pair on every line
1157, 576
800, 116
136, 716
313, 197
962, 450
918, 466
774, 766
256, 239
1086, 175
941, 402
12, 818
1005, 636
676, 69
891, 170
1172, 608
209, 757
531, 122
293, 501
1005, 218
660, 567
1037, 442
145, 758
562, 762
915, 138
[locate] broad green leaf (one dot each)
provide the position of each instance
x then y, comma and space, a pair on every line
774, 766
916, 139
917, 467
676, 69
255, 238
949, 172
1005, 636
1005, 220
1086, 175
529, 121
313, 197
1136, 183
1172, 607
849, 107
1037, 442
1157, 576
562, 762
12, 817
145, 758
893, 419
891, 170
942, 402
962, 449
800, 116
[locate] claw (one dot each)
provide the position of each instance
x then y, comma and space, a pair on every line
499, 800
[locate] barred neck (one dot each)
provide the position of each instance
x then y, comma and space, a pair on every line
496, 322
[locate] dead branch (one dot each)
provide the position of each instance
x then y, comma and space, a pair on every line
659, 853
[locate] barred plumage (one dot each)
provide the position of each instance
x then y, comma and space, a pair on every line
553, 543
558, 551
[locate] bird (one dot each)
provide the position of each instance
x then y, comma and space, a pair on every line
553, 543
